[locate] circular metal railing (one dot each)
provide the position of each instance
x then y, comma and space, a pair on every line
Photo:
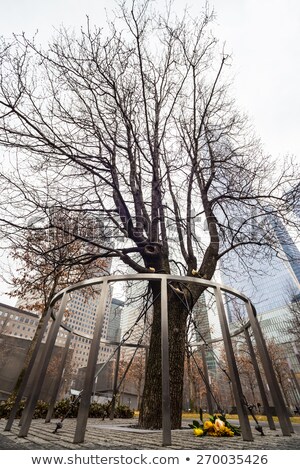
165, 281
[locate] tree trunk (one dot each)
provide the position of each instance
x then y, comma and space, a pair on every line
151, 407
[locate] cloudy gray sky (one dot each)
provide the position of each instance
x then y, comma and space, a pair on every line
263, 37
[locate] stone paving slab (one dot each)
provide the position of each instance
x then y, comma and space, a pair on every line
120, 435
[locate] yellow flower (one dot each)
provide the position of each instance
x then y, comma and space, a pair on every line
228, 432
208, 425
198, 431
216, 426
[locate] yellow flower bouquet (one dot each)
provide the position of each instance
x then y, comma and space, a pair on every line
217, 425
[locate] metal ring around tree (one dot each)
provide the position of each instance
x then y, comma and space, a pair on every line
163, 279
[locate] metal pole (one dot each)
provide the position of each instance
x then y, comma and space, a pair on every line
260, 384
42, 368
208, 390
93, 399
30, 369
115, 386
58, 379
83, 411
36, 373
166, 409
274, 388
233, 370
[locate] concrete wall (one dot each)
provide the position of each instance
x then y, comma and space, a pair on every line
12, 355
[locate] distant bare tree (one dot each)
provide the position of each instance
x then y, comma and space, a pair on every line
247, 375
5, 347
48, 262
293, 324
281, 367
194, 386
137, 125
131, 374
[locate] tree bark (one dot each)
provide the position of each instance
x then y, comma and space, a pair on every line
151, 407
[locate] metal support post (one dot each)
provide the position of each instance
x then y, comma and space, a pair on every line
166, 409
58, 378
208, 390
83, 411
233, 370
275, 391
32, 366
42, 368
115, 385
260, 384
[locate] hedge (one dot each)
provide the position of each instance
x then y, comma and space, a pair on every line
66, 408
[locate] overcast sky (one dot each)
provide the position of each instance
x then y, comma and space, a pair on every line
263, 37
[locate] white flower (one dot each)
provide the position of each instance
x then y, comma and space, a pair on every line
219, 424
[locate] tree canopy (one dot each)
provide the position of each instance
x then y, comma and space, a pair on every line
138, 126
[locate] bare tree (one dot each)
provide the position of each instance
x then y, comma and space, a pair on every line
293, 324
48, 261
131, 375
138, 125
247, 375
194, 387
281, 367
4, 346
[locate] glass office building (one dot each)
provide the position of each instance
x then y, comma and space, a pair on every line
271, 285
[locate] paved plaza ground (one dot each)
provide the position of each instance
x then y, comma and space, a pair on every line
121, 435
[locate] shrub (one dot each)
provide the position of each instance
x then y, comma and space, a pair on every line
66, 408
99, 410
40, 409
6, 407
123, 411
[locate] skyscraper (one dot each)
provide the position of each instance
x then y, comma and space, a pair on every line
136, 314
271, 286
81, 318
